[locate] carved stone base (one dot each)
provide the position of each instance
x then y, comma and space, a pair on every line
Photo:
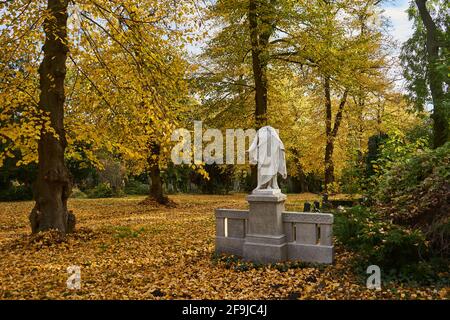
265, 241
268, 234
265, 249
266, 192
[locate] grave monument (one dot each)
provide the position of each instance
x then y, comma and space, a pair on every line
266, 233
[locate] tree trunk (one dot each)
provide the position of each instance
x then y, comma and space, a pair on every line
259, 48
303, 183
435, 79
331, 131
53, 186
156, 188
329, 164
301, 176
329, 147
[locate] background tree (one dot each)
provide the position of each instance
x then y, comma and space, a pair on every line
344, 57
111, 91
425, 60
247, 27
139, 79
337, 66
52, 187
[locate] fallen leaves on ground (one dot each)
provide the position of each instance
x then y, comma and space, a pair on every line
130, 251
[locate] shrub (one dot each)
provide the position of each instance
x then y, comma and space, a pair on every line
220, 179
349, 225
113, 174
415, 192
378, 241
417, 186
16, 193
102, 190
352, 179
78, 194
400, 248
439, 236
134, 187
374, 152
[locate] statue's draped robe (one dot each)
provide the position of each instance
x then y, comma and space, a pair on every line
267, 150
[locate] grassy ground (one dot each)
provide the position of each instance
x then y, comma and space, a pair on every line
130, 251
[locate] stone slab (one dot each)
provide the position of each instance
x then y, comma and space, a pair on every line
310, 253
326, 235
288, 230
306, 233
263, 239
220, 227
231, 213
266, 192
236, 228
254, 197
308, 217
265, 218
228, 245
265, 253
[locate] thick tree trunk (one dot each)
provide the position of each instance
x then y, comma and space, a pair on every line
440, 114
259, 67
156, 188
331, 131
52, 187
259, 41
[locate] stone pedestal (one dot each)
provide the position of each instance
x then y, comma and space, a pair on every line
265, 241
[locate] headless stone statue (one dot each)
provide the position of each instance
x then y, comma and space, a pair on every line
267, 150
266, 233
